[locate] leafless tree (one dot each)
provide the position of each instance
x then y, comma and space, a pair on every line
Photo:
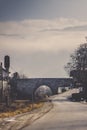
78, 60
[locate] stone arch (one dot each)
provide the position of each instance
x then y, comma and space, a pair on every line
42, 90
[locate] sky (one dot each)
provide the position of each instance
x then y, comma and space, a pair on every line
40, 35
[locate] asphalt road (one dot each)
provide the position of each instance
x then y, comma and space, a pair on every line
65, 115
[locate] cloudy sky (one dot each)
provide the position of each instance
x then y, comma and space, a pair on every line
40, 35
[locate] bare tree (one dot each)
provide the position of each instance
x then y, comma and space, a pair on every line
71, 65
17, 75
22, 76
78, 60
77, 67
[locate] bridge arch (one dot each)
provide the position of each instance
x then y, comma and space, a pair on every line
42, 91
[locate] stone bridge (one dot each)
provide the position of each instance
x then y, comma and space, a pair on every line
29, 86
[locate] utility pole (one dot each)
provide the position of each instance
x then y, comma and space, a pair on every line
1, 83
7, 65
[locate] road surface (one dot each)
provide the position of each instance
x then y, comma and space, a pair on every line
65, 115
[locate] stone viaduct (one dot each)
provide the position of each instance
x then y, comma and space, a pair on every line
29, 86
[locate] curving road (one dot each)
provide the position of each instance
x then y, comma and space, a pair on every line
65, 115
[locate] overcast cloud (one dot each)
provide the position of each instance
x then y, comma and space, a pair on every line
41, 48
40, 35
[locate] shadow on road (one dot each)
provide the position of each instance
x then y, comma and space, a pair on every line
59, 100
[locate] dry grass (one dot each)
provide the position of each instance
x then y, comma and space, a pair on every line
18, 107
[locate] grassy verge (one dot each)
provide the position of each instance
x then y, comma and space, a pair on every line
18, 107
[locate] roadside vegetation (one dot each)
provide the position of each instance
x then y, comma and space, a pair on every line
18, 107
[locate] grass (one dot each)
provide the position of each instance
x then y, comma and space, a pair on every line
18, 107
